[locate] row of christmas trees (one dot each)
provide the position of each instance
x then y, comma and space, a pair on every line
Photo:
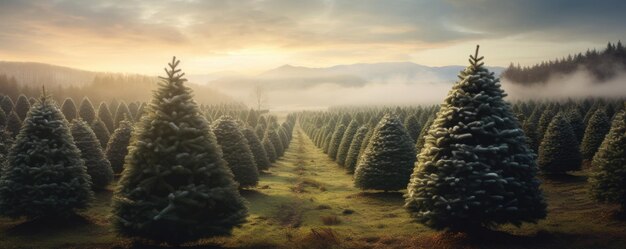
476, 166
180, 175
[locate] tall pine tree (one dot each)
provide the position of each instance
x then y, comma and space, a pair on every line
236, 151
559, 152
98, 167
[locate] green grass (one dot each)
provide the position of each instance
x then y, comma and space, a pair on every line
305, 189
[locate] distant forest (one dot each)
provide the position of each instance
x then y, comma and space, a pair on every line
61, 82
602, 65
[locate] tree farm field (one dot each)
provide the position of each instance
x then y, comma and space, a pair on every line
306, 200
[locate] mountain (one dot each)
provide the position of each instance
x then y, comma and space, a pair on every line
354, 75
36, 74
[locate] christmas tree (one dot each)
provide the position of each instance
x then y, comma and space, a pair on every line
355, 146
175, 186
117, 147
44, 175
346, 141
98, 167
260, 156
475, 169
558, 152
597, 128
69, 109
86, 111
236, 151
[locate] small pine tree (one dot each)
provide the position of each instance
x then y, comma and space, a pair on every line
388, 160
69, 109
3, 119
346, 141
98, 167
236, 151
122, 113
133, 109
335, 141
275, 139
597, 128
176, 187
14, 123
104, 114
355, 146
117, 147
44, 175
421, 139
475, 169
86, 111
22, 106
608, 179
101, 131
412, 126
559, 152
576, 122
252, 118
260, 156
269, 149
7, 104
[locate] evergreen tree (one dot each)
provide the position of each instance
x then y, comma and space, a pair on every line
98, 167
44, 175
597, 128
275, 139
104, 114
22, 106
133, 108
353, 151
269, 148
14, 123
421, 139
175, 186
412, 127
559, 152
236, 151
7, 104
121, 114
141, 111
335, 141
608, 179
388, 160
86, 111
260, 156
117, 147
101, 132
346, 141
475, 169
69, 109
253, 118
576, 122
544, 121
3, 119
260, 132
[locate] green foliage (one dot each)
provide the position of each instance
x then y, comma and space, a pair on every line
335, 141
597, 128
101, 132
44, 175
608, 179
269, 148
104, 114
98, 167
86, 111
346, 142
117, 147
355, 146
175, 186
3, 119
122, 113
14, 123
388, 160
421, 139
260, 156
236, 151
559, 152
575, 120
273, 136
22, 106
412, 126
69, 109
7, 104
475, 169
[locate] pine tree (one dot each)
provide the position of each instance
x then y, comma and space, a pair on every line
69, 109
335, 141
608, 179
576, 122
117, 147
388, 160
141, 111
412, 127
597, 128
3, 119
86, 111
98, 167
104, 114
121, 114
22, 106
559, 152
133, 109
346, 142
544, 122
421, 139
275, 139
7, 104
44, 175
175, 186
236, 151
101, 132
14, 123
252, 118
269, 148
260, 156
475, 169
353, 151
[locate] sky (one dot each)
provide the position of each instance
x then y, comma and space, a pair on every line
250, 36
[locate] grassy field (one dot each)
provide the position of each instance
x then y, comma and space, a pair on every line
308, 201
